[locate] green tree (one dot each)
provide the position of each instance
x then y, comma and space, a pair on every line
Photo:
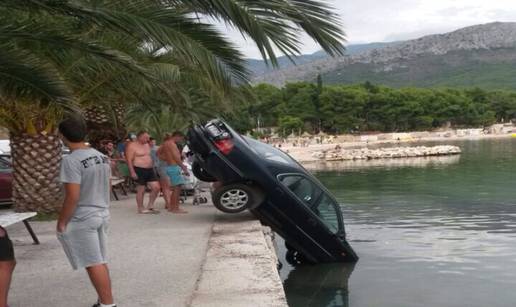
503, 103
342, 107
56, 56
301, 100
267, 99
368, 107
290, 124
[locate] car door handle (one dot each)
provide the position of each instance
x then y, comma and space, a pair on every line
312, 221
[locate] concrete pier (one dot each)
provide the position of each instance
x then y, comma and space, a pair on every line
202, 258
240, 267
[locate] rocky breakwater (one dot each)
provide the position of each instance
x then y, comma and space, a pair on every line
338, 154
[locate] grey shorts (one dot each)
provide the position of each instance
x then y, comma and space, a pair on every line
162, 172
85, 242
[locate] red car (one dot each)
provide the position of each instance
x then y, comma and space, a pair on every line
6, 180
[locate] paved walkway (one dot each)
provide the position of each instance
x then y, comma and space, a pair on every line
155, 260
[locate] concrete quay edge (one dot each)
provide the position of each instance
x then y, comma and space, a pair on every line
240, 268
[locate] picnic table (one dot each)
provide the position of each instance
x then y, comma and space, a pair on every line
117, 183
9, 217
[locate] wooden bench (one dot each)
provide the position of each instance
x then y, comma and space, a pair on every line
10, 217
117, 183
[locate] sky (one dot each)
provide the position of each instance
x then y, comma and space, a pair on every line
366, 21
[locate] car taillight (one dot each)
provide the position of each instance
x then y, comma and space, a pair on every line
225, 145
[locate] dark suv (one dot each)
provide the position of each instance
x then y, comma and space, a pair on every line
278, 190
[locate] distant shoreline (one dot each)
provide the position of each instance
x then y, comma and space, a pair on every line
304, 155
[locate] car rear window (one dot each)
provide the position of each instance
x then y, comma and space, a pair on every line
269, 152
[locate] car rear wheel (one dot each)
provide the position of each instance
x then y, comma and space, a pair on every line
201, 174
235, 198
294, 257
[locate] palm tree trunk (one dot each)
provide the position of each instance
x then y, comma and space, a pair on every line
36, 162
105, 123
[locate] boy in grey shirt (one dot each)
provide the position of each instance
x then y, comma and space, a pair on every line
83, 221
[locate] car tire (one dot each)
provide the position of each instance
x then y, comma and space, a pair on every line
295, 258
201, 174
235, 198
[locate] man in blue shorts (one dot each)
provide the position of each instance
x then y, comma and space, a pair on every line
169, 153
83, 220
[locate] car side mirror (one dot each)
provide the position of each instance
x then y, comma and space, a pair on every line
341, 234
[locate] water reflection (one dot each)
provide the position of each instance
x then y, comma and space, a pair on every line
325, 285
351, 165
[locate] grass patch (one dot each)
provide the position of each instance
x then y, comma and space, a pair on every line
45, 217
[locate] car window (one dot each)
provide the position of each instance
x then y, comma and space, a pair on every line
269, 152
315, 198
327, 210
305, 189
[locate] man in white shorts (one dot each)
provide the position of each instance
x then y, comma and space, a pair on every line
83, 221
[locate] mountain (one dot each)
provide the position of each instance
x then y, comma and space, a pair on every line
481, 55
258, 67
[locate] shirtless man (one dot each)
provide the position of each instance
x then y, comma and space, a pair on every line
141, 168
169, 154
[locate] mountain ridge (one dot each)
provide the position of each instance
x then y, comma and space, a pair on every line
465, 46
258, 66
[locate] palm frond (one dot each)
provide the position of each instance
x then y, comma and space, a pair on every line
53, 39
276, 23
25, 76
151, 23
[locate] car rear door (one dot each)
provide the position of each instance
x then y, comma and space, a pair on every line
323, 223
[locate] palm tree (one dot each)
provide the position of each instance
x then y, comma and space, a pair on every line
33, 97
58, 55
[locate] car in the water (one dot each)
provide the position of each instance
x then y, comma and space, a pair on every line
253, 175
